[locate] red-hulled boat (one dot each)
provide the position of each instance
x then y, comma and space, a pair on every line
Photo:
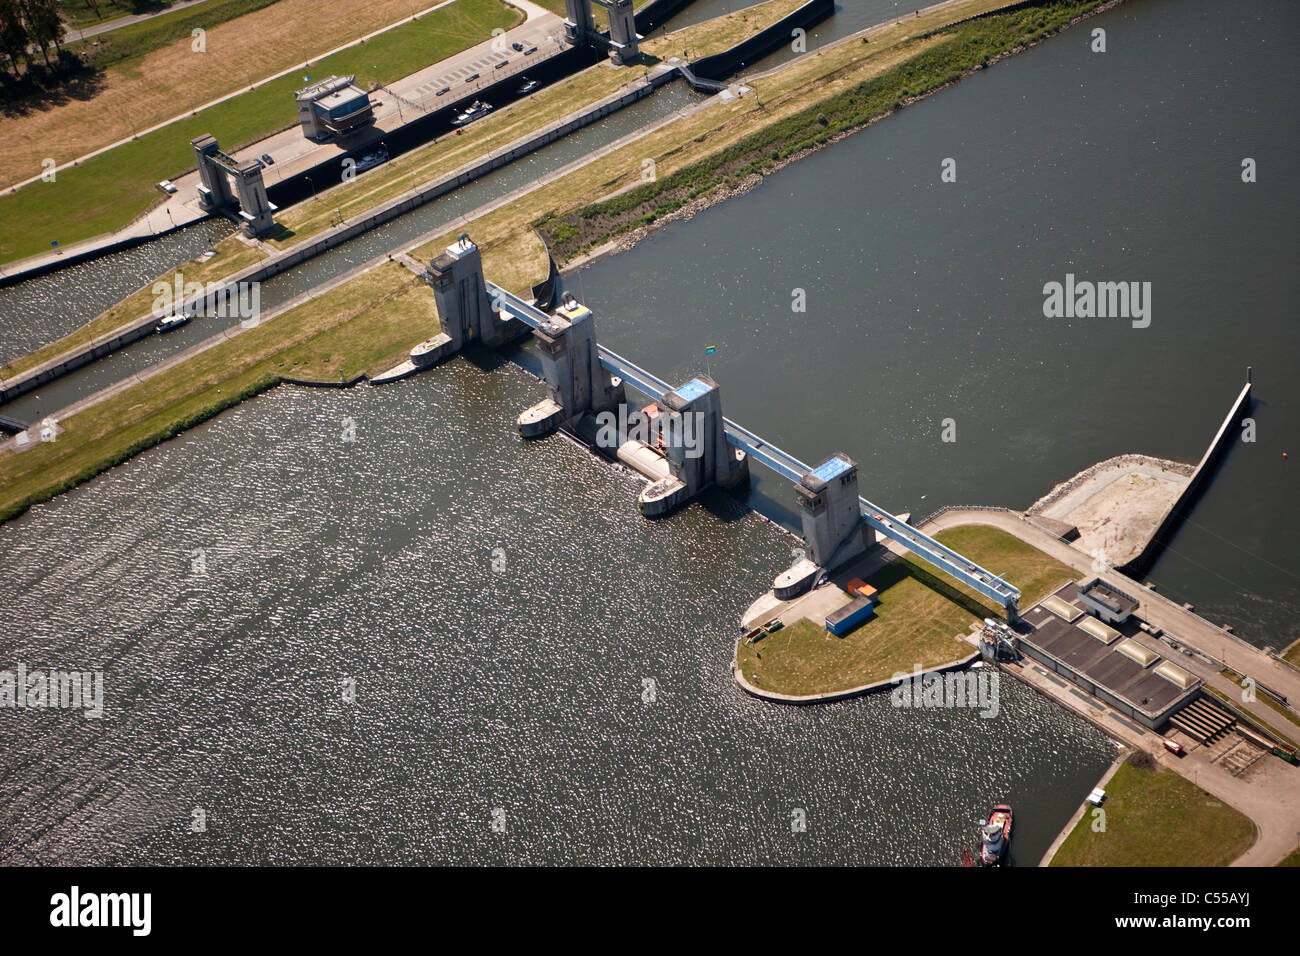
995, 835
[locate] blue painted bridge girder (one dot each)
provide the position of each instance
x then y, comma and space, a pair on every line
786, 465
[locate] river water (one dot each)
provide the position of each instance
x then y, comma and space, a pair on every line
521, 689
525, 648
925, 302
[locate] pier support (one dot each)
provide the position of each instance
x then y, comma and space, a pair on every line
575, 379
833, 529
256, 212
579, 24
622, 32
214, 182
465, 313
696, 448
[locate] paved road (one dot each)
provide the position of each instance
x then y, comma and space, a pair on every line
294, 153
78, 33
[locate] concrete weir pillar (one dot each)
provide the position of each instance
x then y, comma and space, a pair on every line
696, 448
214, 182
833, 529
256, 212
622, 32
464, 311
575, 379
579, 24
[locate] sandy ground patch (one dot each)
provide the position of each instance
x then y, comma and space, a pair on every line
1116, 504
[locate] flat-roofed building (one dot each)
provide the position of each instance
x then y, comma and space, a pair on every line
1107, 601
333, 107
1109, 663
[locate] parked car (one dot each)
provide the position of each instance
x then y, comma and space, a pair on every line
471, 78
167, 186
517, 47
266, 158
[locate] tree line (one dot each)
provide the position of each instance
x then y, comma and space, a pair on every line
27, 26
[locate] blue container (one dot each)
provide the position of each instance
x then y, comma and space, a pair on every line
846, 618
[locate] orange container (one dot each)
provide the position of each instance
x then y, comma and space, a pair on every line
861, 588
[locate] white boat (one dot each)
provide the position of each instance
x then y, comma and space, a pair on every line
170, 322
371, 160
477, 110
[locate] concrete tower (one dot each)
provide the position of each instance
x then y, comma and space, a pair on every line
214, 184
575, 379
256, 213
696, 447
827, 496
464, 311
579, 25
622, 31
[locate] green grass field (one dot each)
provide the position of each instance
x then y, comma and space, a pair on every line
82, 13
1157, 818
110, 190
918, 614
1292, 654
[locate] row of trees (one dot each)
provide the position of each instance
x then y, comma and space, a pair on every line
28, 24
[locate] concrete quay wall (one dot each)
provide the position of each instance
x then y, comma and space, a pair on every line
880, 685
753, 48
1225, 436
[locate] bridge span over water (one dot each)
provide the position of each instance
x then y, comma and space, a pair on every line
783, 463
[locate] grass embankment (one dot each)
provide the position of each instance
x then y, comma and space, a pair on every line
1265, 699
365, 324
1157, 818
1292, 653
231, 256
504, 126
134, 40
107, 191
1292, 859
82, 13
932, 60
919, 612
1255, 718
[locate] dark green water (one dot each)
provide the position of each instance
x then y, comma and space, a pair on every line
924, 299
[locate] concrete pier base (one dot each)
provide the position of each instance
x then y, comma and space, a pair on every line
663, 497
795, 580
541, 420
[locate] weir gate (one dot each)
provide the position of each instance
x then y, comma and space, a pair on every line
586, 379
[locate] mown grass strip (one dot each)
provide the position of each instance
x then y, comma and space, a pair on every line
109, 190
963, 47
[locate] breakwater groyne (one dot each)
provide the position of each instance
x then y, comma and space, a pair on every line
1229, 432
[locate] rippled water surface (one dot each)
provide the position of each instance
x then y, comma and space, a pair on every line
231, 583
521, 689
